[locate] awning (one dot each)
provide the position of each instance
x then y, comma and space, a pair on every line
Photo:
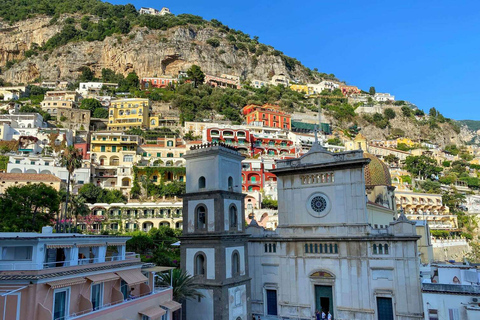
171, 305
86, 245
132, 277
66, 282
158, 269
153, 313
115, 243
103, 277
59, 246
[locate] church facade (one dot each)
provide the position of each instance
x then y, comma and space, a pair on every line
325, 254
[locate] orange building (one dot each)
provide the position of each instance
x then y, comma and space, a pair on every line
348, 90
268, 115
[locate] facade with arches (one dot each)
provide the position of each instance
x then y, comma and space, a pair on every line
133, 216
326, 254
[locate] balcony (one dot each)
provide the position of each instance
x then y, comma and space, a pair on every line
20, 265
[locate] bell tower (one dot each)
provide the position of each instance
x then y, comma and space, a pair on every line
214, 242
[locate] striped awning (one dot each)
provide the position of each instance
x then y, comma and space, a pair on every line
103, 277
115, 243
153, 313
66, 282
158, 269
171, 305
59, 246
132, 277
86, 245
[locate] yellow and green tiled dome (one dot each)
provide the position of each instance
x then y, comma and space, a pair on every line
376, 172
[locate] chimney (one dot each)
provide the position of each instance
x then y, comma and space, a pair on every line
47, 230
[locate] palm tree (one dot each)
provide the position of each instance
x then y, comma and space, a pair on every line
182, 283
71, 158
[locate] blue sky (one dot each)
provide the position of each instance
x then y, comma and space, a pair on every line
426, 52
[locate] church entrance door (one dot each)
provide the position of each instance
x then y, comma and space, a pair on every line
272, 302
324, 299
385, 308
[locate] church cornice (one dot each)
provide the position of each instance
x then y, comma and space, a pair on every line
259, 238
308, 167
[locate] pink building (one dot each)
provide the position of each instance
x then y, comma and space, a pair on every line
45, 276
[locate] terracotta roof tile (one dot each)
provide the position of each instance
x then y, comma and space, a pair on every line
36, 177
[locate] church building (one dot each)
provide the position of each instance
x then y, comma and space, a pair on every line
336, 249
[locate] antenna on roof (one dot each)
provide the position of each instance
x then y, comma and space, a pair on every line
319, 125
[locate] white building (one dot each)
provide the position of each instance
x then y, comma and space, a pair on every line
86, 88
280, 79
325, 254
154, 12
319, 87
259, 83
382, 97
47, 165
451, 292
472, 202
20, 124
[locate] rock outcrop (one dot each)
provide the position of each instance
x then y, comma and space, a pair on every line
147, 52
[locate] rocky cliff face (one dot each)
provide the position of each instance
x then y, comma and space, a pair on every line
147, 52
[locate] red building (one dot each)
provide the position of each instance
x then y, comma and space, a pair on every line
268, 115
251, 143
157, 82
255, 174
84, 148
348, 90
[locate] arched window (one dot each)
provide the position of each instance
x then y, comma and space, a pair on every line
201, 182
386, 248
230, 183
233, 216
200, 264
169, 143
153, 122
380, 249
374, 249
235, 264
201, 217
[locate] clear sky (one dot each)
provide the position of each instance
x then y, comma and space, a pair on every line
426, 52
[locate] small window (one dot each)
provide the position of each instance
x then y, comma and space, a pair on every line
201, 182
385, 249
230, 183
235, 264
201, 216
200, 265
233, 216
375, 249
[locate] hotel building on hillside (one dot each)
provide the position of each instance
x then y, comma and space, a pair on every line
45, 276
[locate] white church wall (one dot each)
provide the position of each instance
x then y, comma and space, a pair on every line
209, 203
228, 261
237, 300
201, 309
209, 257
240, 214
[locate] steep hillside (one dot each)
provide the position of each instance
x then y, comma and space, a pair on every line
60, 44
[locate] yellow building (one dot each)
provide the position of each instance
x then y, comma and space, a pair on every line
299, 88
406, 141
20, 179
125, 114
113, 155
168, 150
359, 143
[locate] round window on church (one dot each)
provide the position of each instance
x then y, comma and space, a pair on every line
318, 205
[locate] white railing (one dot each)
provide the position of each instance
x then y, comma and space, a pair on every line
20, 265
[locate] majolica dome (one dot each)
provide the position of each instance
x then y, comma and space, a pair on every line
376, 172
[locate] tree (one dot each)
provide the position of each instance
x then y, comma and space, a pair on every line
453, 199
28, 208
90, 104
196, 75
389, 113
214, 42
407, 112
71, 159
182, 283
433, 112
422, 166
100, 113
391, 159
90, 192
372, 91
87, 74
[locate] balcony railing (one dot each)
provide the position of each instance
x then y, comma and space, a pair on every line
19, 265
